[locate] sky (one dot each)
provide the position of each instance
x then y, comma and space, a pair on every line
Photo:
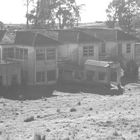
13, 11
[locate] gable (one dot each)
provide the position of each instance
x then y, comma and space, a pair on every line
41, 40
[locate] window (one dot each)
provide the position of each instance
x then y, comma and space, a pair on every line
51, 75
51, 54
40, 54
25, 53
101, 75
8, 53
88, 51
1, 80
14, 80
128, 48
90, 75
5, 53
40, 76
103, 48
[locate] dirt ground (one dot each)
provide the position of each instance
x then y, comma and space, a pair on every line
73, 116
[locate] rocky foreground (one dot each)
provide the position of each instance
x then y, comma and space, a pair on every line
81, 116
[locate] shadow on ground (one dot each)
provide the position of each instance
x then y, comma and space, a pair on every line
36, 92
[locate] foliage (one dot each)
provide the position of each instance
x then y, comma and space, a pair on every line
1, 25
27, 4
65, 13
123, 12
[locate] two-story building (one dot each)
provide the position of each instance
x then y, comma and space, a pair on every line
37, 56
116, 43
77, 49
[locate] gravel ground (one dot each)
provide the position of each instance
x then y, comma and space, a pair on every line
81, 116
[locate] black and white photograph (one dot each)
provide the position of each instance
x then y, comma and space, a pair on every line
69, 69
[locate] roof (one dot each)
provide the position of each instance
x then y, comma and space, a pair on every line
102, 33
32, 38
98, 63
24, 38
76, 36
2, 33
108, 34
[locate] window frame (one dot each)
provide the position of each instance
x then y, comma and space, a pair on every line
41, 79
88, 51
40, 54
51, 53
128, 48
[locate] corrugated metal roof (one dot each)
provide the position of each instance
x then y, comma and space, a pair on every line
98, 63
76, 36
32, 38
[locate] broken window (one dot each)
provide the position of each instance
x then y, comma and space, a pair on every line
51, 75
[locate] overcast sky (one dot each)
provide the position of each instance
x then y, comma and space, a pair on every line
13, 11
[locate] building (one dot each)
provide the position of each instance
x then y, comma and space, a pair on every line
76, 48
116, 43
37, 55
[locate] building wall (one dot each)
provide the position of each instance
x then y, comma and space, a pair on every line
7, 71
74, 52
83, 58
110, 50
131, 55
46, 65
68, 52
137, 53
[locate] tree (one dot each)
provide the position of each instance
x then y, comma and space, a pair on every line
27, 4
1, 25
65, 13
123, 12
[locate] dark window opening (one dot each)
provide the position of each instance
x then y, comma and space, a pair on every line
40, 76
51, 75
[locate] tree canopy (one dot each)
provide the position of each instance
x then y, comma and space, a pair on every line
65, 13
123, 12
